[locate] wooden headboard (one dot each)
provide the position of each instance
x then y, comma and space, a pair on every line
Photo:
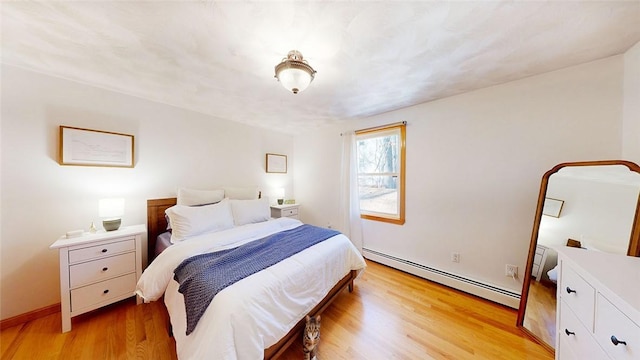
156, 222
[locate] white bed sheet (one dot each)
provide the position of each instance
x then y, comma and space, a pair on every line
256, 312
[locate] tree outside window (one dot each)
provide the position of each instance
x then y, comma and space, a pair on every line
380, 156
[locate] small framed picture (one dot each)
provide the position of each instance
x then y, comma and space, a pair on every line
276, 163
552, 207
85, 147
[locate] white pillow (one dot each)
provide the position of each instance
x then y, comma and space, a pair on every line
241, 193
187, 221
191, 197
250, 211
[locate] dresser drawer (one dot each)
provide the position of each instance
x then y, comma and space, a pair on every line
98, 251
88, 296
576, 341
611, 322
101, 269
578, 294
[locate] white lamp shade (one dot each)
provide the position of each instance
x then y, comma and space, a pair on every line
111, 208
278, 193
294, 80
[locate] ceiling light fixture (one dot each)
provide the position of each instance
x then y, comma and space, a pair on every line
294, 73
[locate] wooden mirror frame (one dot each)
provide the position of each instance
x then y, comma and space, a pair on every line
634, 241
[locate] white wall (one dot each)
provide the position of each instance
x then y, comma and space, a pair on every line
597, 213
474, 164
600, 214
631, 107
42, 200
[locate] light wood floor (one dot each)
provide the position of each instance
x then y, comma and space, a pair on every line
540, 316
390, 315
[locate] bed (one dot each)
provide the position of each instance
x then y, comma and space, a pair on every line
260, 315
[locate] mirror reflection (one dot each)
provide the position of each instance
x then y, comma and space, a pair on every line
591, 207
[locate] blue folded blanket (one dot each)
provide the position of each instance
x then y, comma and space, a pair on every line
201, 277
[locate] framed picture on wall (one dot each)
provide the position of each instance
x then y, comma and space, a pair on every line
85, 147
276, 163
552, 207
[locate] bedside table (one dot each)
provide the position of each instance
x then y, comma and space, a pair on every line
285, 210
539, 261
98, 269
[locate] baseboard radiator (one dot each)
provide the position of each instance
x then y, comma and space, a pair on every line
474, 287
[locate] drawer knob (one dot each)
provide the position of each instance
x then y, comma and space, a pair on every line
105, 268
106, 291
104, 250
570, 290
566, 331
615, 341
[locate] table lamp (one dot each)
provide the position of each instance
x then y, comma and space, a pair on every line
279, 194
111, 211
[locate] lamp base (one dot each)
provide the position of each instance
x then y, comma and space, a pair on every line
111, 225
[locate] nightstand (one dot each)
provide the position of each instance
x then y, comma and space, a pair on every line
539, 261
98, 269
286, 210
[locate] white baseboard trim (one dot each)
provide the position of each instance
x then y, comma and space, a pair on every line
474, 287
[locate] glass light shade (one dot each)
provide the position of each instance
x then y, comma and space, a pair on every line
111, 208
294, 73
294, 80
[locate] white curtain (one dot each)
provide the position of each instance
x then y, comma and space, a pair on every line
350, 207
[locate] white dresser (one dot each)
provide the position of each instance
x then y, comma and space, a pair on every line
598, 309
286, 210
98, 269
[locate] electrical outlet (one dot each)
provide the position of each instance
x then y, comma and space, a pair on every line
511, 271
455, 257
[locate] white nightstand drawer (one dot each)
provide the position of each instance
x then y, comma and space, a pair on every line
537, 259
88, 296
611, 322
535, 268
575, 339
102, 269
98, 251
289, 212
578, 294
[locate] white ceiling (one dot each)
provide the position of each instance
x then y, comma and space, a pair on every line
218, 58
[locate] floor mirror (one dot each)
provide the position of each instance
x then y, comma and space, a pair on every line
593, 205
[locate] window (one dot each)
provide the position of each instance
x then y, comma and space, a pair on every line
380, 156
